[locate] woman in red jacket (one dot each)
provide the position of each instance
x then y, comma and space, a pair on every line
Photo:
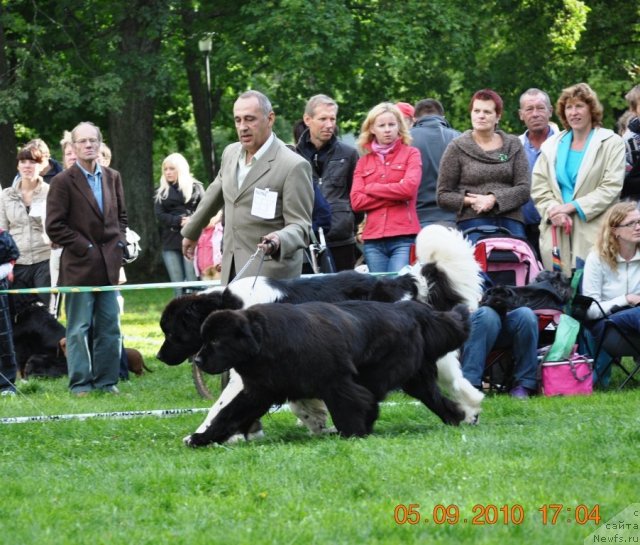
385, 187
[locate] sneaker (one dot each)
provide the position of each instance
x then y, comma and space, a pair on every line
113, 390
8, 392
520, 392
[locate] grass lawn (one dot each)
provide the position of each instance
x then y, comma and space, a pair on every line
117, 481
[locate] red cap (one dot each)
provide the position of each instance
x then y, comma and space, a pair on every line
405, 108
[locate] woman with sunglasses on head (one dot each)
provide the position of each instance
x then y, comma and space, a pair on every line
577, 177
612, 272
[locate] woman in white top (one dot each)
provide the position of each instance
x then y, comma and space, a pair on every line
612, 271
22, 210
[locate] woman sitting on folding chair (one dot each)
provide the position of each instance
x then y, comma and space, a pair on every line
612, 276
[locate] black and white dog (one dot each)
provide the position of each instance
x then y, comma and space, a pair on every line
447, 274
350, 355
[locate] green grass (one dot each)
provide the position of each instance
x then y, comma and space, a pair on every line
108, 481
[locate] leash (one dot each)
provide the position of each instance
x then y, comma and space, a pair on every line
246, 266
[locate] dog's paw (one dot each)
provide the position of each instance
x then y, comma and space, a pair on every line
194, 440
472, 419
188, 441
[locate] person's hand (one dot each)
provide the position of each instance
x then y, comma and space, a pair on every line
269, 244
481, 203
633, 299
560, 216
184, 220
188, 248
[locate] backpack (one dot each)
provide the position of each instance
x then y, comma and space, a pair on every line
8, 249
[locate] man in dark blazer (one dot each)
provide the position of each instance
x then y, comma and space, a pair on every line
267, 195
86, 215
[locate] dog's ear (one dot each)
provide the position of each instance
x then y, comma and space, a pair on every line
231, 300
235, 327
252, 335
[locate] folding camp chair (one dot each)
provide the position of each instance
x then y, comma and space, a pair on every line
616, 342
498, 369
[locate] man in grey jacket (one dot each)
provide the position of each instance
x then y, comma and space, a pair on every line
431, 135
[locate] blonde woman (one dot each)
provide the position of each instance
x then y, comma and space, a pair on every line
385, 187
176, 199
577, 177
612, 271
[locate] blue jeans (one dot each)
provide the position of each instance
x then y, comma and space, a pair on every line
388, 254
179, 268
519, 332
515, 227
629, 321
95, 368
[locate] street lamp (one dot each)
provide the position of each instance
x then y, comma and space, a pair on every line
205, 45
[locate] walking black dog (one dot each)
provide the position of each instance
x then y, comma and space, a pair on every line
350, 355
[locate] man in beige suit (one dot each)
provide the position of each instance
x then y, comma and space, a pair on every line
267, 195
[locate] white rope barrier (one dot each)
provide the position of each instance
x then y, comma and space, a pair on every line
159, 413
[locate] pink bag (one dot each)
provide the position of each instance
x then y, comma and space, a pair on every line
569, 377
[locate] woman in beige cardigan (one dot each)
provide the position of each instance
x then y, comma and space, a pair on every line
577, 177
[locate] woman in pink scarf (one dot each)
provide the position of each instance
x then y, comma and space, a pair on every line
385, 187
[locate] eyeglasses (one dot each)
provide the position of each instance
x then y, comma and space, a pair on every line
83, 141
632, 224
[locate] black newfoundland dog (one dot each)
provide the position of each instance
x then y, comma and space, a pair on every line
349, 355
182, 319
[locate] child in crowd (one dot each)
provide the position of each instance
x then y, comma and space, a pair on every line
208, 255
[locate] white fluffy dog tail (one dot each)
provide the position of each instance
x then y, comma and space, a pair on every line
454, 255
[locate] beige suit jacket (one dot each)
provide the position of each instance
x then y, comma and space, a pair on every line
279, 170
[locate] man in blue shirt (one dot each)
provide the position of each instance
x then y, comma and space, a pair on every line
86, 215
535, 112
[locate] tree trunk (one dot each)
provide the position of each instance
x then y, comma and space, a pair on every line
131, 137
195, 66
8, 149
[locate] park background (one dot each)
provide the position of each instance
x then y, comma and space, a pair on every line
134, 67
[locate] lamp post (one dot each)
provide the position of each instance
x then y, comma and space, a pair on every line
205, 45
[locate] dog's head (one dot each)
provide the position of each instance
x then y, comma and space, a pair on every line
45, 366
229, 339
135, 361
502, 299
182, 319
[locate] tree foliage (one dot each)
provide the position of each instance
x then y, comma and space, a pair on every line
134, 68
